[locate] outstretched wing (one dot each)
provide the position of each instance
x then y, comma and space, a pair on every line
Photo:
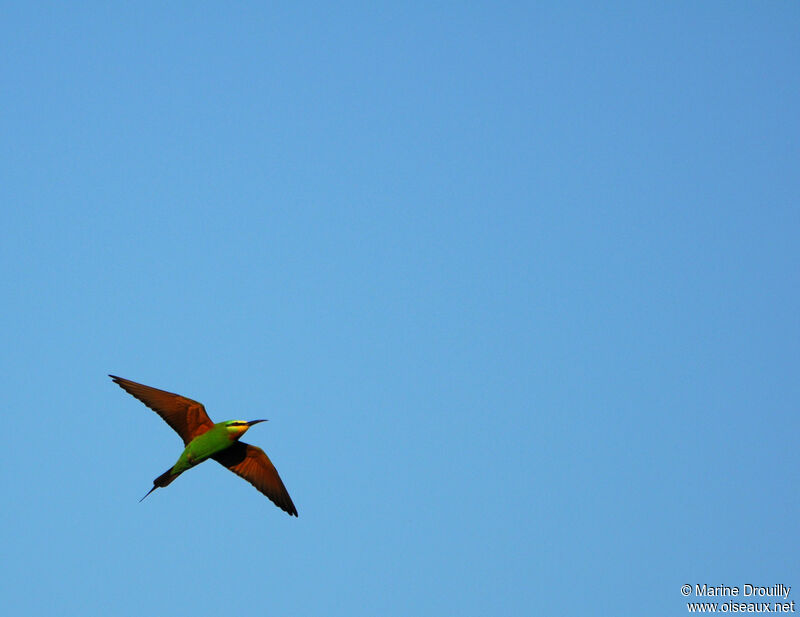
188, 418
250, 463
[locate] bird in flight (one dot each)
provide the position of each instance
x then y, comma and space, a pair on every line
204, 439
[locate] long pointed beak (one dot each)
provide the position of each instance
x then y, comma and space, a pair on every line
252, 422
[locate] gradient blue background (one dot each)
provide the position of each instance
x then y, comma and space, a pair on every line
516, 285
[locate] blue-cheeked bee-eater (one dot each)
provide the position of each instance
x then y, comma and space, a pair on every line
204, 439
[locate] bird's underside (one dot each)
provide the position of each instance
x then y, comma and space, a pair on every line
189, 419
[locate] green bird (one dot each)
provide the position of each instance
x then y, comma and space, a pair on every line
204, 440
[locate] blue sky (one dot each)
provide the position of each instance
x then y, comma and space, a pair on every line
516, 285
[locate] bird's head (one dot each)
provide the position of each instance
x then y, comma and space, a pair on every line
237, 428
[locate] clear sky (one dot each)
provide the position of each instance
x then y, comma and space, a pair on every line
516, 285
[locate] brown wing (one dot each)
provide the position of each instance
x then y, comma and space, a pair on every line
250, 463
188, 418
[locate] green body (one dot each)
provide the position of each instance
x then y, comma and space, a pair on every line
203, 446
218, 438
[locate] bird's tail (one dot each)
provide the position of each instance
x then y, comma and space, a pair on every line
161, 481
